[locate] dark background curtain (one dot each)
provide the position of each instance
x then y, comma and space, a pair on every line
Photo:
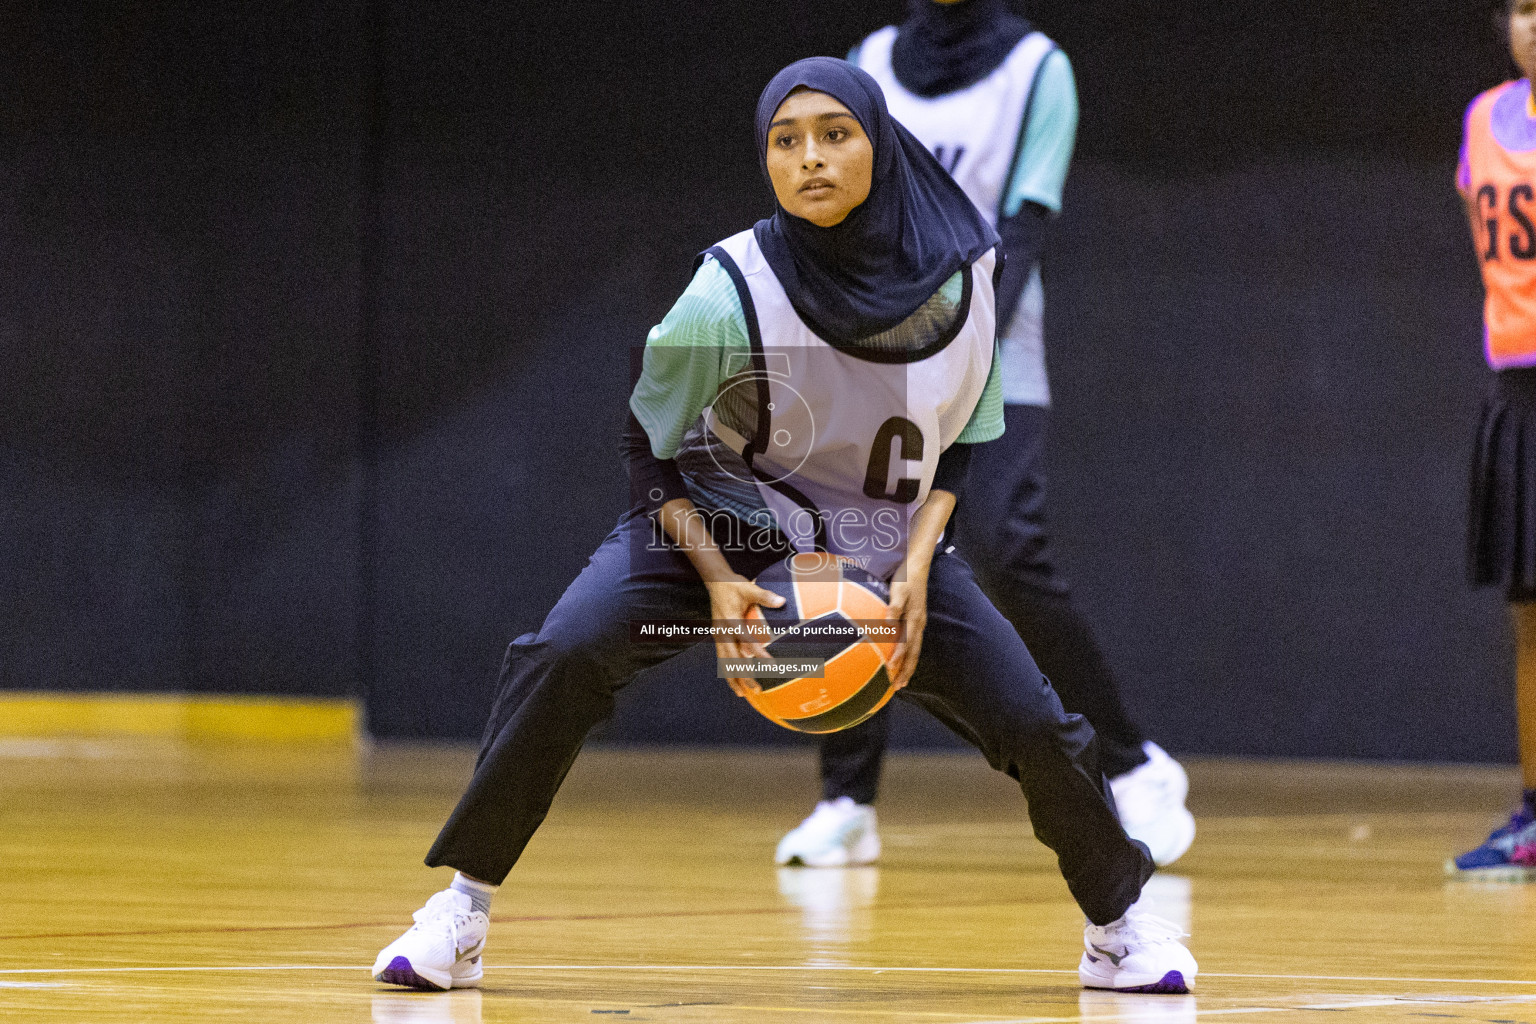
316, 324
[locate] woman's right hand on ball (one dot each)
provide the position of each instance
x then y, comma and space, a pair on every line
730, 600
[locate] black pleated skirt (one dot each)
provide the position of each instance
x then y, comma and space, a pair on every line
1501, 522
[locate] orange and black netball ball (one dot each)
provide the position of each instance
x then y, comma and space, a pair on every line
831, 608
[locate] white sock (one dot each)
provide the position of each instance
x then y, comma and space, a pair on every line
478, 892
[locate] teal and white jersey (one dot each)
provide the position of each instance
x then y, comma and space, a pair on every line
1007, 139
975, 132
836, 446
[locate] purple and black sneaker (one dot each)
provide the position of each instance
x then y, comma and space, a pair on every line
1508, 854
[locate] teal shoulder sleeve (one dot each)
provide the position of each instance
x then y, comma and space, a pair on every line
986, 423
1050, 133
686, 356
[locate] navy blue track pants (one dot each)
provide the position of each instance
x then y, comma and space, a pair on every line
1000, 525
975, 676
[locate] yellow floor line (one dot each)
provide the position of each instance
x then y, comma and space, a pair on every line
45, 715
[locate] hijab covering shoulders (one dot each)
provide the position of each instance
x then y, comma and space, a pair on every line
943, 48
894, 250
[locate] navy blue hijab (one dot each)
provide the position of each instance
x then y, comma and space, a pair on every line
944, 48
895, 249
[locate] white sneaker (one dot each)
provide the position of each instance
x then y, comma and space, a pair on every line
1150, 798
441, 950
839, 833
1141, 952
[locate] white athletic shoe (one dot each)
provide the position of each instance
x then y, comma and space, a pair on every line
441, 950
1150, 798
839, 833
1141, 952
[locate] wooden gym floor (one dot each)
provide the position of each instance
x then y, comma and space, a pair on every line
161, 881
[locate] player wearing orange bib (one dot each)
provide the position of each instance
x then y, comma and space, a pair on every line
1497, 180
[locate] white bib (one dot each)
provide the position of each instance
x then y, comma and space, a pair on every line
975, 132
847, 450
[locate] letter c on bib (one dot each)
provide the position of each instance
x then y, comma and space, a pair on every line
880, 460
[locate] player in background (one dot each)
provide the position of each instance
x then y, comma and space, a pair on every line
996, 103
1497, 179
873, 244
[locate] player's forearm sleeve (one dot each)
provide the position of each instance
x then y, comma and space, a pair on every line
652, 482
953, 470
1022, 236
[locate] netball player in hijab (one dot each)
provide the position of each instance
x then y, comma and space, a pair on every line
995, 102
864, 305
